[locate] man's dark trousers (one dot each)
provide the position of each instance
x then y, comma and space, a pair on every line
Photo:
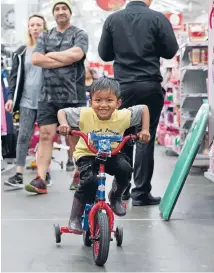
151, 94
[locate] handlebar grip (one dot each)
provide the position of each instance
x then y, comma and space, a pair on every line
58, 132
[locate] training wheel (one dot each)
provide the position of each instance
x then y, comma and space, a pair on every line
86, 238
119, 236
57, 233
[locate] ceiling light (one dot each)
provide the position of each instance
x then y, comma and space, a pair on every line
190, 6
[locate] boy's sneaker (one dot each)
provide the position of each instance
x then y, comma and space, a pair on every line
76, 180
48, 179
37, 186
15, 181
70, 166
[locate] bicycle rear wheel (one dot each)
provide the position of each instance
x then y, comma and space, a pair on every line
102, 239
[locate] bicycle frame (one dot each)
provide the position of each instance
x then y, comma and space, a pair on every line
102, 152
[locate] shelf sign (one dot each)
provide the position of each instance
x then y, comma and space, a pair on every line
175, 19
111, 5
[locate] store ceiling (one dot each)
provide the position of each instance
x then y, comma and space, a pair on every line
87, 15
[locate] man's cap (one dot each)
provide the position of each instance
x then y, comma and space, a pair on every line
66, 2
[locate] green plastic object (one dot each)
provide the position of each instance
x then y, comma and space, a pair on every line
185, 161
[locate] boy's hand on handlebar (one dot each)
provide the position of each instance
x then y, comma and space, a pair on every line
64, 129
144, 136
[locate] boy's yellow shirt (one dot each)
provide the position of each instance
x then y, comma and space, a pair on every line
89, 122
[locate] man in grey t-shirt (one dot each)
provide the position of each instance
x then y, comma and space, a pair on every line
58, 51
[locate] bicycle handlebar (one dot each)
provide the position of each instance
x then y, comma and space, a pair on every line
93, 149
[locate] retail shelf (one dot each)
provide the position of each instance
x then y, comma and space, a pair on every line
194, 44
187, 118
202, 156
187, 99
198, 67
193, 93
188, 46
194, 75
187, 123
209, 175
193, 102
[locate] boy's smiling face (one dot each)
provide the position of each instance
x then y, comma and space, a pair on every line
104, 103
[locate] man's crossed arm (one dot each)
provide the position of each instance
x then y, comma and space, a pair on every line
67, 57
62, 58
58, 59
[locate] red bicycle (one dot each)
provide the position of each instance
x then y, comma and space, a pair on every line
98, 219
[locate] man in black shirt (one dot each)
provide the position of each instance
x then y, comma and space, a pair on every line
135, 38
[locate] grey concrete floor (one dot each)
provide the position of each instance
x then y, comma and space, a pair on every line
183, 244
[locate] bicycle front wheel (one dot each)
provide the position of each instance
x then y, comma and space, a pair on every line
102, 239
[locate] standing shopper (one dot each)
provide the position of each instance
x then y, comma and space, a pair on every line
25, 86
135, 38
58, 52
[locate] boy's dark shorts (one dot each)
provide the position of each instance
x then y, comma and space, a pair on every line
47, 111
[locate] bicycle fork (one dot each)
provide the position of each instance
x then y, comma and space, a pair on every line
101, 204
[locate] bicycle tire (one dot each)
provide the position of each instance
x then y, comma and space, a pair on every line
101, 245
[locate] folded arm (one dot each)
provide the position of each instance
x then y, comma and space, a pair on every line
44, 61
74, 54
39, 58
67, 57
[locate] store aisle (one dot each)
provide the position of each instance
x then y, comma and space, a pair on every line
150, 244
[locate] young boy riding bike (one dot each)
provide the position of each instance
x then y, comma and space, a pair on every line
102, 118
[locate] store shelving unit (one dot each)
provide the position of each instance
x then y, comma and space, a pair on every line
193, 93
